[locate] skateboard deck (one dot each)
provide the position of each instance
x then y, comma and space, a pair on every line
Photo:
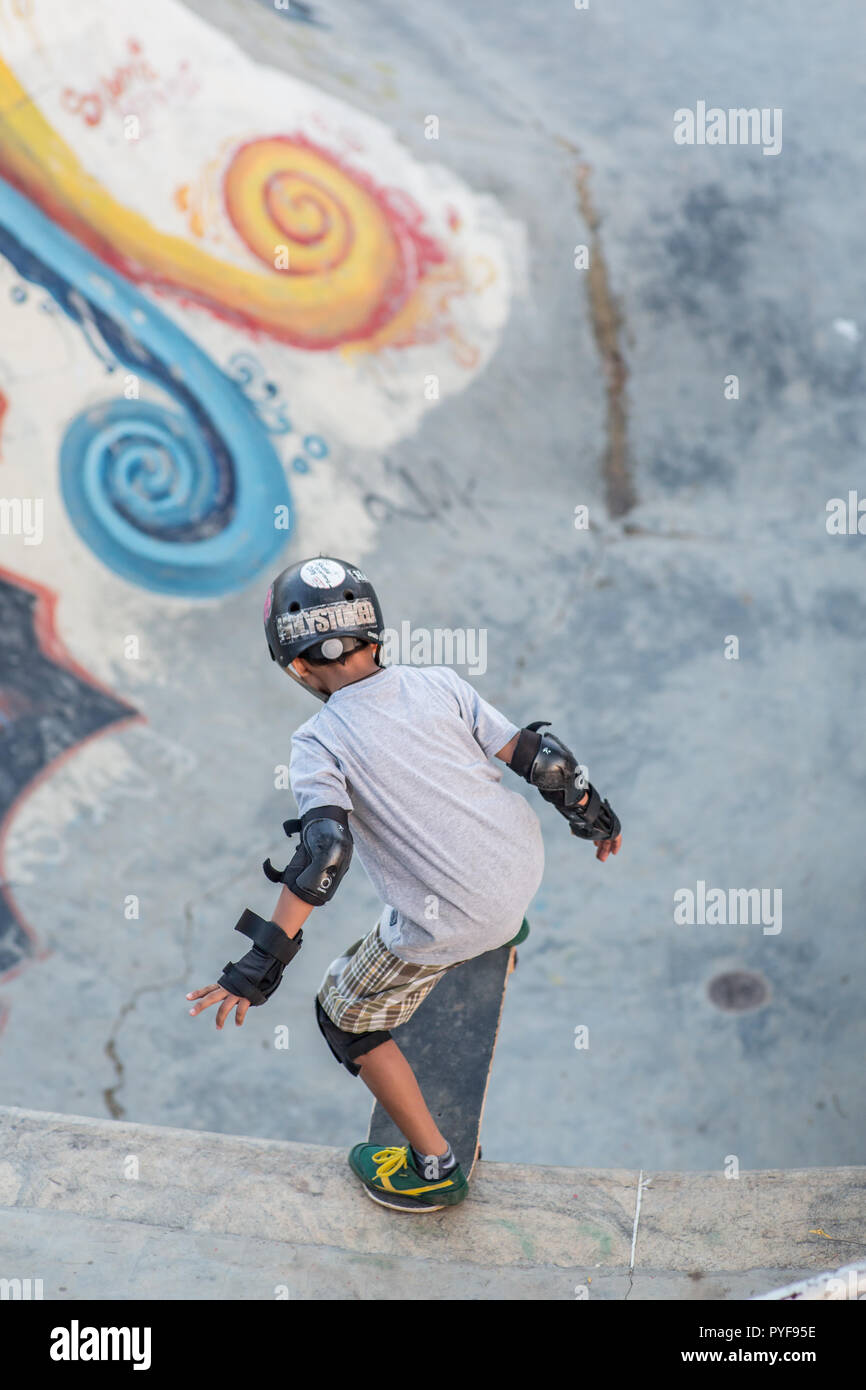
449, 1043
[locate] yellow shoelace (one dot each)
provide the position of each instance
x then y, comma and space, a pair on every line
390, 1161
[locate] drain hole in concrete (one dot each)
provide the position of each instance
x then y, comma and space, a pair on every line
737, 991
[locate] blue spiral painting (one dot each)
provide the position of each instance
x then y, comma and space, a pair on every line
188, 499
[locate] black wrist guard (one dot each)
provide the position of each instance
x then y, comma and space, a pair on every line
594, 821
257, 974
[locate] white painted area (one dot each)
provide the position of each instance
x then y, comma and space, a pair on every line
81, 792
199, 98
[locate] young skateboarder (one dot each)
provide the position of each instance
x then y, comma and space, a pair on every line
397, 765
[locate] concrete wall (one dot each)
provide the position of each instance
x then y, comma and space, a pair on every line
100, 1209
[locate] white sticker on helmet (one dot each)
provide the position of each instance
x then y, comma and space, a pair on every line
322, 574
332, 647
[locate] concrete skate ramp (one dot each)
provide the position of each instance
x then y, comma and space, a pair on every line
100, 1209
144, 732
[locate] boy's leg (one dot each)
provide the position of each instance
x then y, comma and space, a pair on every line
388, 1075
370, 990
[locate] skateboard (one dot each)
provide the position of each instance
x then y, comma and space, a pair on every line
449, 1043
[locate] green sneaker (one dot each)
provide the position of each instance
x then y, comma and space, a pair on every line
390, 1177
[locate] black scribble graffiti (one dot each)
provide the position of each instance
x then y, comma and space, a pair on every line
48, 707
438, 498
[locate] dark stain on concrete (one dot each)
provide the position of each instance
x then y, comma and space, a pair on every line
607, 328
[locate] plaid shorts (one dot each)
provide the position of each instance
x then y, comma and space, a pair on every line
368, 988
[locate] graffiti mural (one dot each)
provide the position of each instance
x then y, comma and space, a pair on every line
219, 287
168, 220
317, 230
154, 492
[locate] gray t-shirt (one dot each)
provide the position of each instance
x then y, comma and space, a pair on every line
454, 855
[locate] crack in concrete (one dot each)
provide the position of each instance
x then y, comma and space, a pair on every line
109, 1094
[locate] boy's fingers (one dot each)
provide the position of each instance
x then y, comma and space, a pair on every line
241, 1014
197, 993
214, 995
606, 847
225, 1008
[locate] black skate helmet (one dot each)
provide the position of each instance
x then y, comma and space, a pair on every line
321, 609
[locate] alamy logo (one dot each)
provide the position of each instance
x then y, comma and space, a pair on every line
847, 520
740, 125
438, 646
77, 1343
23, 1289
22, 516
737, 906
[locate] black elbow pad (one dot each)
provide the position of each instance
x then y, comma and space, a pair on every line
544, 761
322, 858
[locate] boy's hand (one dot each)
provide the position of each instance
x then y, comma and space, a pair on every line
606, 847
212, 994
603, 847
